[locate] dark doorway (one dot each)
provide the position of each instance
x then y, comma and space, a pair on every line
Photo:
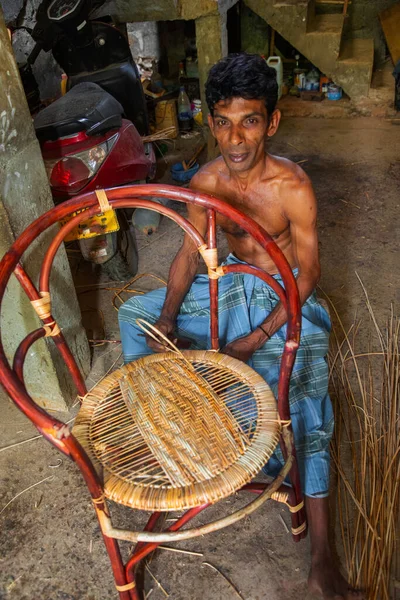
233, 27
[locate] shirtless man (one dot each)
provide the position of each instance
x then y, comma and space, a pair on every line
241, 93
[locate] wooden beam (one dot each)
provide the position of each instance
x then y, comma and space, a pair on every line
272, 43
331, 1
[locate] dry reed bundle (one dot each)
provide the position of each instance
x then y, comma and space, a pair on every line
366, 452
159, 135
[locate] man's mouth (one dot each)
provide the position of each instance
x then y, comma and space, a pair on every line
238, 158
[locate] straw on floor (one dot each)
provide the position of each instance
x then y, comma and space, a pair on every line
366, 452
175, 431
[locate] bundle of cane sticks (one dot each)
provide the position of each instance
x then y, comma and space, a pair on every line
163, 134
366, 452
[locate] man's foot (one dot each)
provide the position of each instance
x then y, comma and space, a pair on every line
326, 581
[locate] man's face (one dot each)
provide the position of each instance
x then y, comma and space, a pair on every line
240, 127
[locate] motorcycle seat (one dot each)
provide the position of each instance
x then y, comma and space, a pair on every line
86, 107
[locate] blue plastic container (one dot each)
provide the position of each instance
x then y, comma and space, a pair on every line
334, 92
179, 174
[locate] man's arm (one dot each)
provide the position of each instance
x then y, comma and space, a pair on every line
300, 207
182, 273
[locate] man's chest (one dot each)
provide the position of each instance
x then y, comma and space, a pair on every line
263, 207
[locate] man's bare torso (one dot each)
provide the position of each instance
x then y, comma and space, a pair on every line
263, 200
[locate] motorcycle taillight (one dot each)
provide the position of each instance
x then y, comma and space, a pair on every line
71, 173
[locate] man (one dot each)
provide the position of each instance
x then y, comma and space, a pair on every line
241, 93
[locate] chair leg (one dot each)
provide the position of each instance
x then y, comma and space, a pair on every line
131, 567
142, 549
118, 568
299, 519
296, 498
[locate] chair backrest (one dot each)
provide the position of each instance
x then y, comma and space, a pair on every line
11, 376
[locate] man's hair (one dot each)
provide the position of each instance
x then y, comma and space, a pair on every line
242, 75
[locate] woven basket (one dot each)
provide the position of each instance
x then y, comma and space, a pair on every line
170, 432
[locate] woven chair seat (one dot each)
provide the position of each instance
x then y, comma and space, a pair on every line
165, 436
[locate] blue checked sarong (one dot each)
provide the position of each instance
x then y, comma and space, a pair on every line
244, 303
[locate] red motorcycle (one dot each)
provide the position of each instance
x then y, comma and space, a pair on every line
91, 147
91, 137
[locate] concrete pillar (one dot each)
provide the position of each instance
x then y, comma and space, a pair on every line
143, 40
212, 44
24, 196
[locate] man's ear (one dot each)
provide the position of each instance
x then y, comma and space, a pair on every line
211, 123
274, 123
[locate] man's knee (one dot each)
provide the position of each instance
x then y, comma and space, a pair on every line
130, 311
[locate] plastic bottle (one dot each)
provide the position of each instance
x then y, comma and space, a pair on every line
299, 75
182, 73
185, 116
312, 80
197, 111
276, 63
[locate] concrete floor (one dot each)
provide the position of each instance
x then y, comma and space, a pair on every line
50, 542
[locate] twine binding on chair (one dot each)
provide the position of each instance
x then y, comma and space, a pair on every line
103, 201
126, 587
283, 498
295, 509
298, 530
51, 329
210, 256
42, 306
216, 273
99, 500
280, 497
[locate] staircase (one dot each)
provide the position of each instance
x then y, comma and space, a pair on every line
319, 37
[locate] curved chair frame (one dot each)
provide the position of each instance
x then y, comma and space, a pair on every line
59, 434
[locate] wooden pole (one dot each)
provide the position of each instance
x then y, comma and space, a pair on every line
272, 43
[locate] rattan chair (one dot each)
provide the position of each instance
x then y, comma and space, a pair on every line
205, 423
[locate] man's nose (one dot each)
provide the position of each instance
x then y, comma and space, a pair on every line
236, 135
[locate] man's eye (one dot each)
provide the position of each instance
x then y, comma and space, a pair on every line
221, 123
252, 121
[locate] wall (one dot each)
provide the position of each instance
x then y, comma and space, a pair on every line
143, 40
363, 22
24, 196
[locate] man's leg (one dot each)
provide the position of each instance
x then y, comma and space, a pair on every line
325, 578
193, 321
147, 307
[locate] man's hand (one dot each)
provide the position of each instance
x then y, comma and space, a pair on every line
243, 348
166, 326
